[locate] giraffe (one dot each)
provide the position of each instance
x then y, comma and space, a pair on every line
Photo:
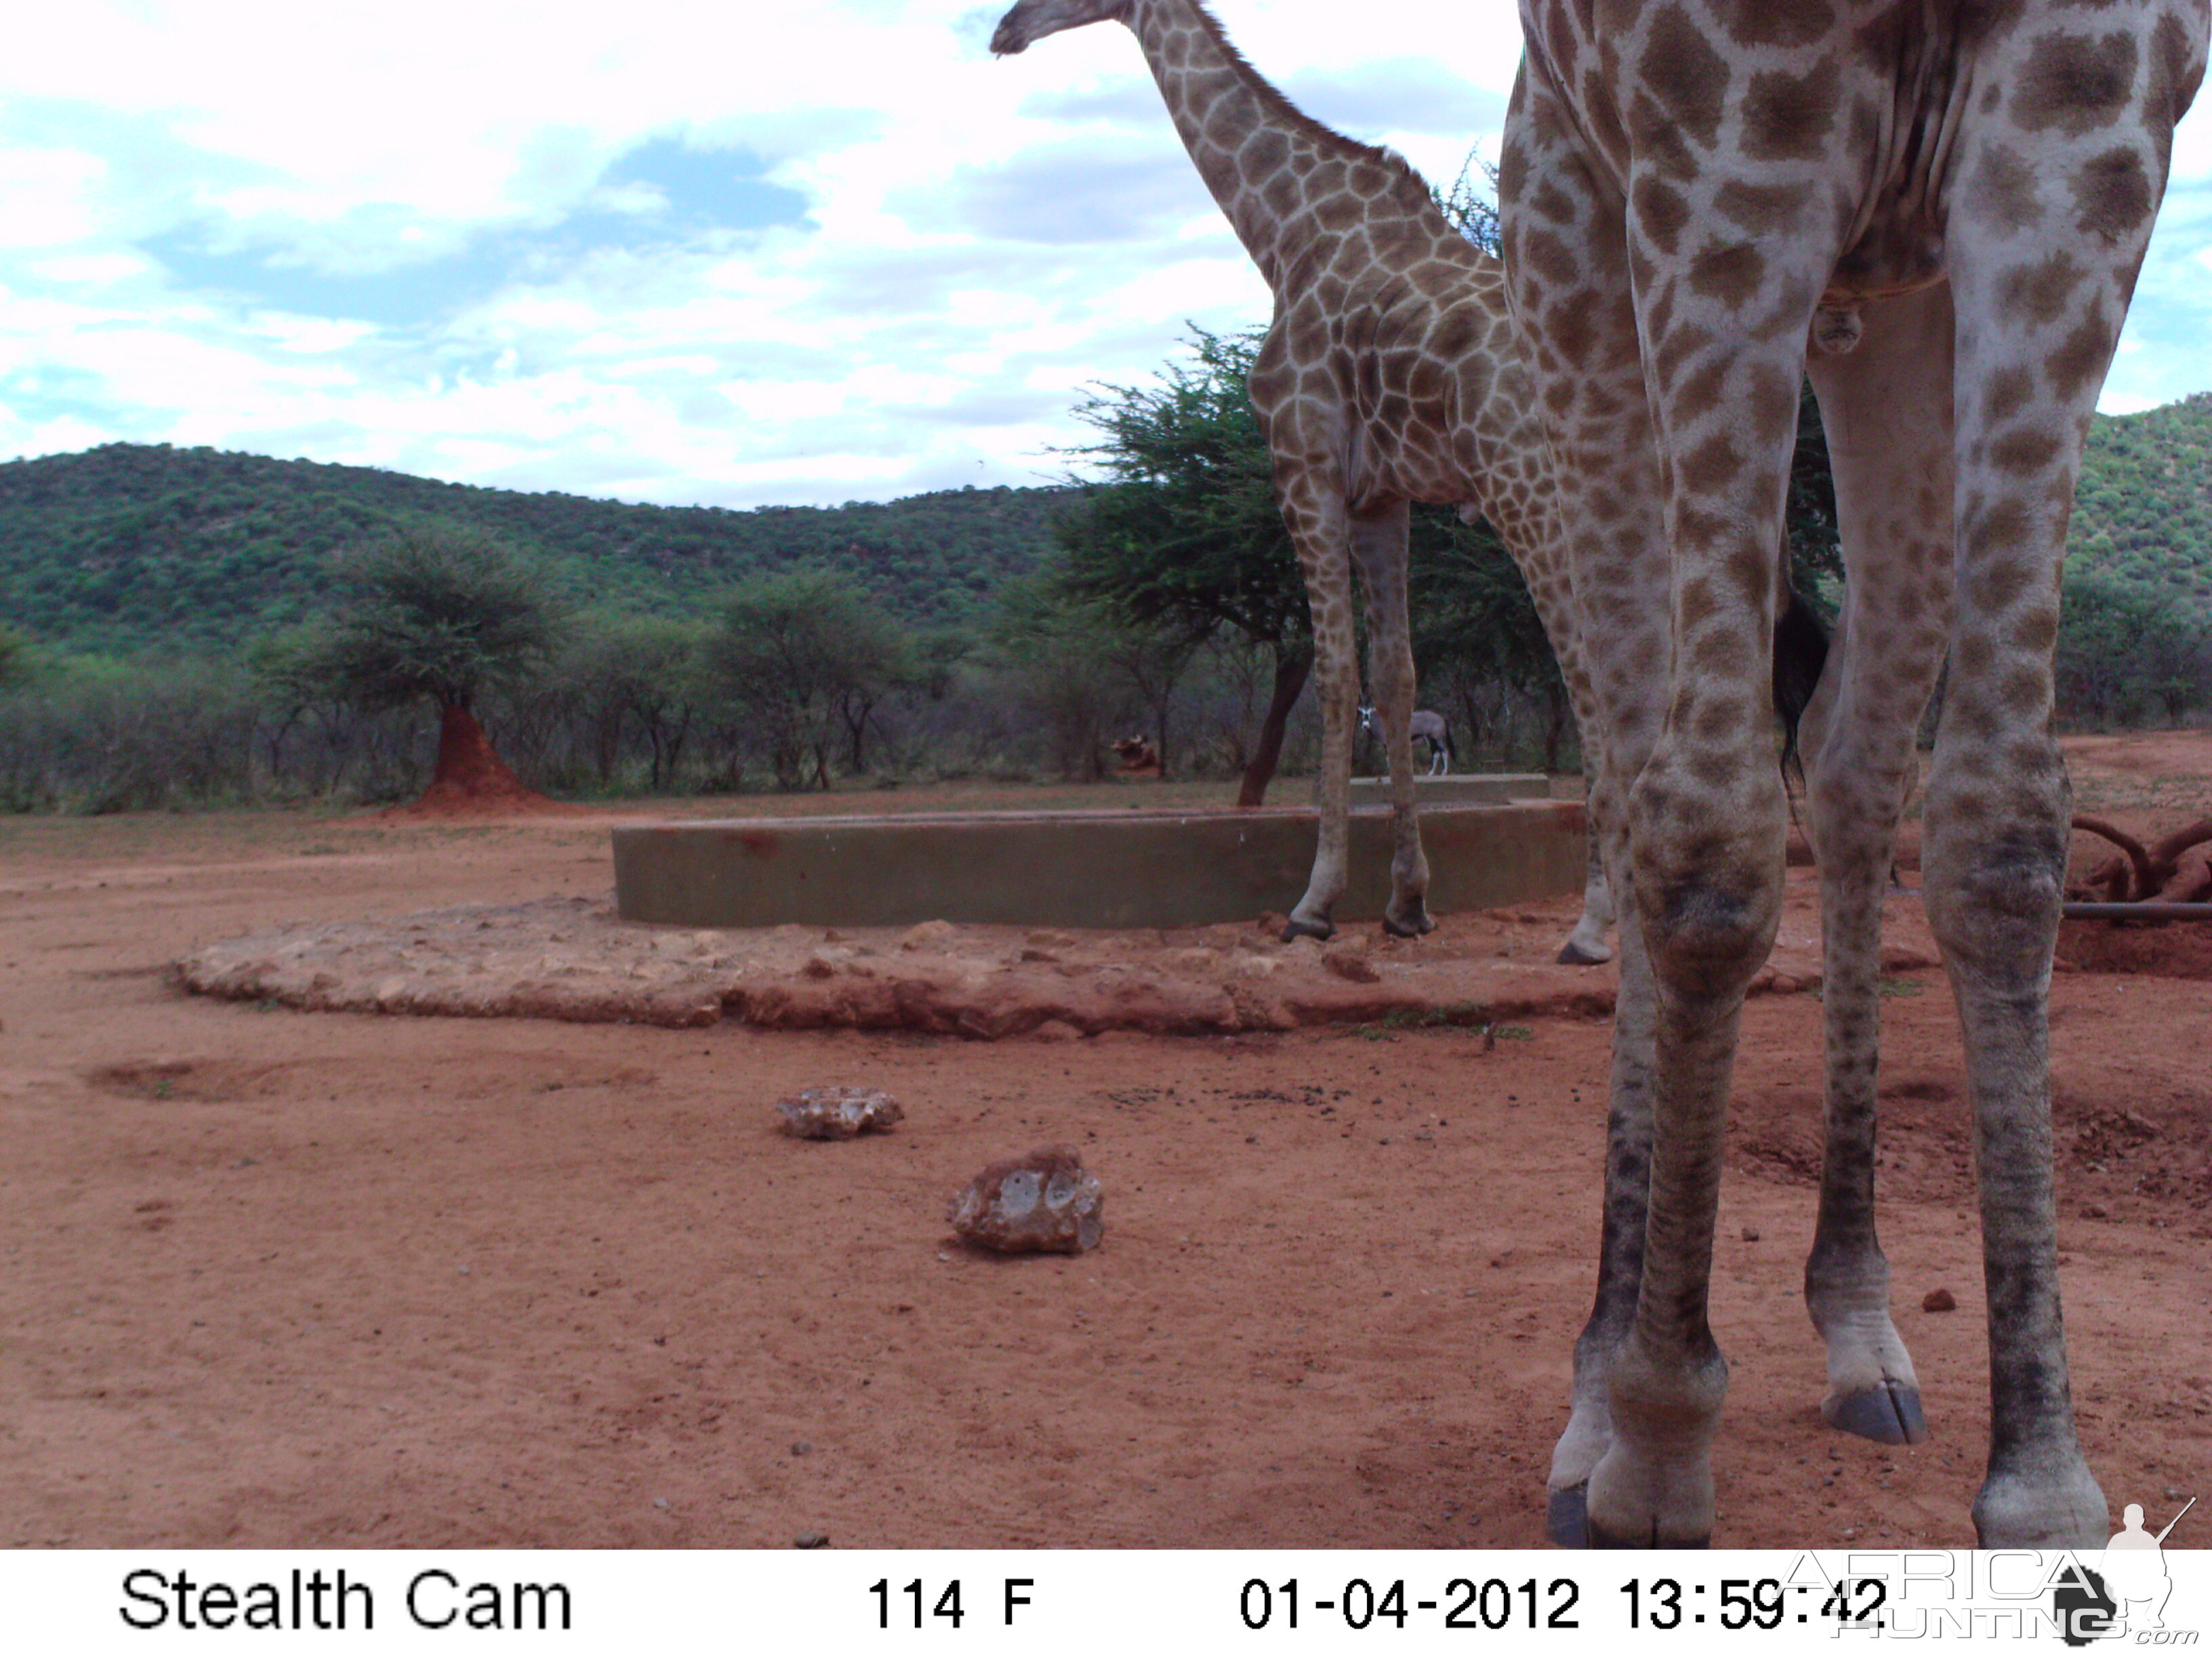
1945, 203
1390, 374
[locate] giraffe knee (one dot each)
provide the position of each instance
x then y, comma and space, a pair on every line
1996, 904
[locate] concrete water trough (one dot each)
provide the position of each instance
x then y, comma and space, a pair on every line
1140, 868
1457, 789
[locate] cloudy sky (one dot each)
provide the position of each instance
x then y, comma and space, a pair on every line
675, 252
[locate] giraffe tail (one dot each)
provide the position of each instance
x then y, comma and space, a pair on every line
1800, 650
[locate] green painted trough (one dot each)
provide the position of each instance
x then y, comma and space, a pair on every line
1134, 868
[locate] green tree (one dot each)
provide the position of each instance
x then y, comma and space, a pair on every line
15, 658
443, 613
2129, 652
1054, 649
1183, 534
808, 656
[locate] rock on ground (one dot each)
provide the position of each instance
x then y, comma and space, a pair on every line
1046, 1201
837, 1111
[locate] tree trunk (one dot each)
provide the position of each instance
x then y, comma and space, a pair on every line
1292, 665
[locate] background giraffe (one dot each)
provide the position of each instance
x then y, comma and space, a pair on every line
1961, 193
1390, 374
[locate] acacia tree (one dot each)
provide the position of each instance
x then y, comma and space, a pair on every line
1183, 534
806, 655
444, 613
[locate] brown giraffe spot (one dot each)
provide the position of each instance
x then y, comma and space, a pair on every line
1263, 156
2023, 689
2176, 71
2112, 193
1786, 116
1336, 214
1682, 71
1545, 255
2077, 83
1712, 467
1695, 527
2039, 292
1701, 390
1760, 208
2081, 357
1752, 568
2023, 451
1990, 538
2007, 393
2002, 194
1661, 212
1999, 584
1763, 23
1772, 398
1657, 139
1728, 273
1549, 202
1718, 720
2036, 630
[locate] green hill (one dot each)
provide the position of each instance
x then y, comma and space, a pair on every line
2143, 512
132, 547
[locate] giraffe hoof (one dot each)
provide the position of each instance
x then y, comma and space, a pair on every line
1600, 1539
1575, 957
1422, 923
1294, 930
1566, 1516
1889, 1413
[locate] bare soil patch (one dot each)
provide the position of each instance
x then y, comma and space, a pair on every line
287, 1278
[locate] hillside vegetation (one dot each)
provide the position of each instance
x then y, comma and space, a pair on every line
2143, 512
133, 547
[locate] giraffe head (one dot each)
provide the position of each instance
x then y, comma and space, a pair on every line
1032, 20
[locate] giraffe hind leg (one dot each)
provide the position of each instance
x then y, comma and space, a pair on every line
1586, 946
1314, 511
1886, 411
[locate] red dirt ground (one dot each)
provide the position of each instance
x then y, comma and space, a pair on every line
276, 1279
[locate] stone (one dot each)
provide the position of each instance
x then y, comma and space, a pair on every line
922, 935
1045, 1201
837, 1112
1347, 959
1938, 1301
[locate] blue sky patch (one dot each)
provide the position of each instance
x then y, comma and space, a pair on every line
702, 192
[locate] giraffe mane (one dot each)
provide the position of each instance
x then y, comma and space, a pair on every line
1409, 186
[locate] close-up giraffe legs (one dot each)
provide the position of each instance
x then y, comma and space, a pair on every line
1886, 410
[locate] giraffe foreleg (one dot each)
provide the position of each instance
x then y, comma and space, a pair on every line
1379, 546
1998, 802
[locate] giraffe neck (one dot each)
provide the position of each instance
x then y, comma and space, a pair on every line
1252, 145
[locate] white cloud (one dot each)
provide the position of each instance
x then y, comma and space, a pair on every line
737, 255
